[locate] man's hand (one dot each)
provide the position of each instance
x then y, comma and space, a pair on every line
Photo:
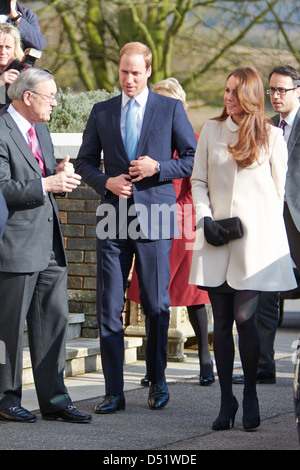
64, 181
141, 168
120, 185
66, 166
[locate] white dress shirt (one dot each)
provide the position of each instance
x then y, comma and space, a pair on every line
289, 119
24, 127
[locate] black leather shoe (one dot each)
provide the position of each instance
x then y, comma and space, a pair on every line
205, 381
267, 379
111, 404
17, 413
158, 395
69, 414
145, 381
238, 379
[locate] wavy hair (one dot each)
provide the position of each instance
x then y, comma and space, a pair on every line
253, 126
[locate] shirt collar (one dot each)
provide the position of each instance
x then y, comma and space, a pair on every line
141, 99
289, 119
232, 126
21, 122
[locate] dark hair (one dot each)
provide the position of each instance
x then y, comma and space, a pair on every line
289, 71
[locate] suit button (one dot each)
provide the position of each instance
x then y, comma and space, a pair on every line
50, 219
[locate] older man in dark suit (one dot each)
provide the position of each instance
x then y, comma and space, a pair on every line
138, 132
33, 265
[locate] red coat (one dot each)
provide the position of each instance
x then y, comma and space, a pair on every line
181, 292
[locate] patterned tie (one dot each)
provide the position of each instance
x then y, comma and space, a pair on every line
33, 146
282, 125
131, 137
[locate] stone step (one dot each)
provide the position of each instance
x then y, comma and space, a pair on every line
74, 329
82, 356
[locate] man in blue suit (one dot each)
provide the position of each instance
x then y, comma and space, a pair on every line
137, 195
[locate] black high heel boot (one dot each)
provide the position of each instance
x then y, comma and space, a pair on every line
251, 422
223, 424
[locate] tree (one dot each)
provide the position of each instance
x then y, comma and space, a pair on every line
85, 36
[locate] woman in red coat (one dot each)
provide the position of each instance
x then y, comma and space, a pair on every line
181, 292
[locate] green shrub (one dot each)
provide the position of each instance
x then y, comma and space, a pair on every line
73, 110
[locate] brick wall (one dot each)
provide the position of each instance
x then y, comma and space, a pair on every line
78, 218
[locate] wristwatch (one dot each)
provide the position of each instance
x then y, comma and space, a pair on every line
157, 168
16, 18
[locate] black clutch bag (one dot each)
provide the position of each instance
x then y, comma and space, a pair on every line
234, 227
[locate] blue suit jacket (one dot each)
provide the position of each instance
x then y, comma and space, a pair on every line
29, 30
165, 128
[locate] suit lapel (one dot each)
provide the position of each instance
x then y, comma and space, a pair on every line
295, 132
116, 124
21, 143
149, 115
46, 147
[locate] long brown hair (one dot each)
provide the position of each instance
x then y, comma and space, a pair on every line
253, 126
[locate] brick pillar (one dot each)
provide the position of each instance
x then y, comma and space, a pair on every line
78, 219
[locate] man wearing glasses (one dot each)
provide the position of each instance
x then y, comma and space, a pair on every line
284, 93
33, 265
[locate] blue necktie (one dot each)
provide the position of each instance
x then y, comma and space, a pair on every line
131, 136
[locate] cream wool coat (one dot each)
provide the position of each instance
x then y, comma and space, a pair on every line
220, 188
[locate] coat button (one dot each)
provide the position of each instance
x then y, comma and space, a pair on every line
50, 219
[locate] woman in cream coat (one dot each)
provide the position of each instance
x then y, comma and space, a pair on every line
239, 171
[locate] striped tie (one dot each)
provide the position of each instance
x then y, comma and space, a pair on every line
282, 125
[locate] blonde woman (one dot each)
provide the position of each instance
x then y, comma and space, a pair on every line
239, 171
11, 55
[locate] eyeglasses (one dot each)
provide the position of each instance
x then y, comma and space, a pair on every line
47, 98
279, 91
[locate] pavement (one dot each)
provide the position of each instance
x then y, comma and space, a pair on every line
176, 434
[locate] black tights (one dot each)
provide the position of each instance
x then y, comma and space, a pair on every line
198, 319
238, 306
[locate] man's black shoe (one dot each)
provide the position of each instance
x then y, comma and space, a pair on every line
69, 414
17, 413
267, 379
145, 381
158, 395
111, 404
